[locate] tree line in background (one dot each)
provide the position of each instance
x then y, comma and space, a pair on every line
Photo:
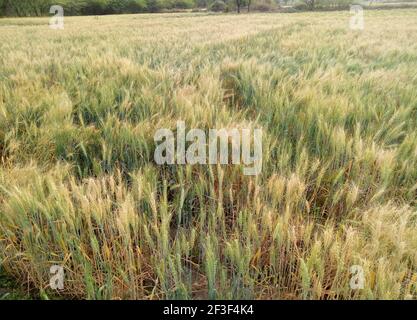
89, 7
99, 7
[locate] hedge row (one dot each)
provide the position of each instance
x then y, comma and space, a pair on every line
89, 7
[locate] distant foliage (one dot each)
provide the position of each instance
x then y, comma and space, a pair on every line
90, 7
24, 7
262, 7
218, 6
323, 4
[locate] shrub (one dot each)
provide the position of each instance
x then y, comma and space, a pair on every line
184, 4
126, 6
262, 7
155, 5
95, 7
135, 6
218, 6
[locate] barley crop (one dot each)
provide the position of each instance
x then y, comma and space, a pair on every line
79, 186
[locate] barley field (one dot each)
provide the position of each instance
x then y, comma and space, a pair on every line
79, 186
